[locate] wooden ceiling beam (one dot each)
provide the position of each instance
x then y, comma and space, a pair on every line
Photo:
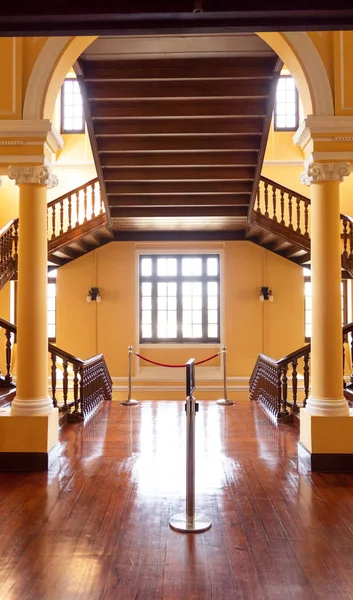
208, 158
177, 89
182, 200
174, 187
181, 107
177, 211
179, 126
177, 143
177, 173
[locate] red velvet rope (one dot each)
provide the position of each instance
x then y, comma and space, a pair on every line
153, 362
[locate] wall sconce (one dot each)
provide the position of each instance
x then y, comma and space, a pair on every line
265, 294
94, 295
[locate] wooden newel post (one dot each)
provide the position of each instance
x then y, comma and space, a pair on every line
129, 401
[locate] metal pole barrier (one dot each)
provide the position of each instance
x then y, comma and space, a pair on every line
224, 400
189, 521
130, 401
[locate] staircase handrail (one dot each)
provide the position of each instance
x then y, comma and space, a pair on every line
74, 191
272, 390
284, 188
8, 226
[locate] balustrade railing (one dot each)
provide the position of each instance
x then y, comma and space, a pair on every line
77, 386
282, 386
8, 251
79, 210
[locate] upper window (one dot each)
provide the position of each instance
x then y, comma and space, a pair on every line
72, 117
286, 105
180, 298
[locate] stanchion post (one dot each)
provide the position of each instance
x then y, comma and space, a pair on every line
189, 521
130, 401
224, 400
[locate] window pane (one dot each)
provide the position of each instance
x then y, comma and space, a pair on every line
146, 267
146, 288
197, 331
191, 266
146, 331
212, 266
162, 303
212, 331
146, 302
146, 316
213, 316
212, 302
212, 288
51, 303
197, 316
166, 267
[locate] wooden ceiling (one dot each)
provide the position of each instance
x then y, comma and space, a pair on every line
178, 127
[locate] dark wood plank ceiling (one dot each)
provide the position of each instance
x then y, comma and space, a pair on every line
179, 140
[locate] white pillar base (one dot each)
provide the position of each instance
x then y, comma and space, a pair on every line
32, 407
327, 407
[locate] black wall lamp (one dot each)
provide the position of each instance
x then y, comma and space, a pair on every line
265, 294
94, 295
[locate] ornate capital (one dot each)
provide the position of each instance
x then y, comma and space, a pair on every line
316, 172
37, 175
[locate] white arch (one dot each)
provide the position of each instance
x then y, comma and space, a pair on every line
296, 49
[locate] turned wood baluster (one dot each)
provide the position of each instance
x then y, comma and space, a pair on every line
101, 211
1, 253
351, 356
306, 378
350, 240
282, 207
298, 230
65, 382
278, 387
93, 196
290, 211
69, 213
53, 221
76, 398
284, 388
306, 218
258, 199
345, 253
82, 396
266, 199
8, 376
85, 205
274, 201
61, 217
53, 378
77, 208
294, 384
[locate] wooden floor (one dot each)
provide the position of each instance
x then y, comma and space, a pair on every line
96, 526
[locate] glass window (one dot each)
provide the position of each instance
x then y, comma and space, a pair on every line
286, 117
179, 298
72, 117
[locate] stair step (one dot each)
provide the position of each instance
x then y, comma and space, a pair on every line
7, 394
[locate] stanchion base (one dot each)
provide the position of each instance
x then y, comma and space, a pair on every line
180, 522
224, 402
129, 402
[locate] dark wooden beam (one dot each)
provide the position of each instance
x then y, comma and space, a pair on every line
182, 200
177, 173
177, 212
174, 236
173, 187
177, 143
146, 159
238, 125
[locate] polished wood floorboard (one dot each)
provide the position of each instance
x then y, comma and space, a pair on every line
96, 525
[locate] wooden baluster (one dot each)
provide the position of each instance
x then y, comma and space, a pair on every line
295, 408
282, 207
61, 217
77, 208
274, 201
306, 378
85, 205
351, 355
69, 213
258, 200
93, 197
8, 376
53, 378
306, 218
65, 382
82, 393
76, 398
101, 211
266, 199
284, 388
290, 211
344, 361
278, 387
53, 221
345, 240
1, 253
350, 240
298, 230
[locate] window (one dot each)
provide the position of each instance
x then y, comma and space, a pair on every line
72, 117
307, 305
180, 298
286, 105
51, 291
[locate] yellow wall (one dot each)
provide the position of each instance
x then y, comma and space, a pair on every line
9, 199
249, 326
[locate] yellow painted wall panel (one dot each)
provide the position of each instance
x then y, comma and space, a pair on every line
11, 78
343, 57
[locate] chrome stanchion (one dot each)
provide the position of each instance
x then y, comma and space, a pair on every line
189, 521
130, 401
224, 400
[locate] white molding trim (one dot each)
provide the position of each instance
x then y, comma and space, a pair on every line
314, 71
283, 163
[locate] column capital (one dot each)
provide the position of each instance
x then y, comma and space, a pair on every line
40, 175
317, 172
